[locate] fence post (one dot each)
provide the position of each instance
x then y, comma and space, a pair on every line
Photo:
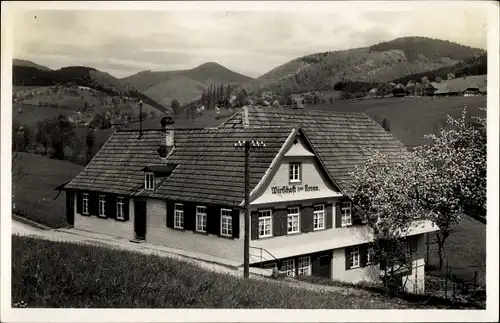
446, 282
475, 283
427, 246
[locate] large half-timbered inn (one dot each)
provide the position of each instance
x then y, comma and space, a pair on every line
184, 188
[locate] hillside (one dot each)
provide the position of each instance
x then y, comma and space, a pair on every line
81, 76
472, 66
33, 104
184, 85
23, 62
379, 63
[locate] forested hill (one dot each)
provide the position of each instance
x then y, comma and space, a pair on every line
379, 63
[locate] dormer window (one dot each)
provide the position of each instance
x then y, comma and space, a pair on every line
294, 172
149, 181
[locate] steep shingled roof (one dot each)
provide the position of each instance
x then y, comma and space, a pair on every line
210, 168
339, 139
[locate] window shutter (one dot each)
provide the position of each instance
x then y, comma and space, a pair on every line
236, 223
213, 224
306, 219
254, 226
111, 206
218, 221
328, 215
347, 258
126, 208
93, 203
363, 254
170, 214
79, 202
189, 216
338, 216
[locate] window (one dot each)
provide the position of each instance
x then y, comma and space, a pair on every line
293, 220
345, 210
179, 216
319, 217
304, 268
119, 208
226, 223
201, 219
102, 205
85, 204
288, 267
295, 172
149, 181
354, 261
265, 223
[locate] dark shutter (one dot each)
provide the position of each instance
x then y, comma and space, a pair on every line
126, 208
79, 202
170, 214
111, 206
213, 220
279, 222
328, 215
93, 203
189, 216
347, 258
306, 219
338, 216
254, 225
236, 223
363, 255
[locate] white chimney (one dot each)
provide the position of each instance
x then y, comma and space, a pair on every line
169, 138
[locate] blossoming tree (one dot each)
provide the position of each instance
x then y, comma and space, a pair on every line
439, 181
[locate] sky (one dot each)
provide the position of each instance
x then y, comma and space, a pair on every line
248, 42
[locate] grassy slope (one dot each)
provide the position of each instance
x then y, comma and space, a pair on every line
79, 276
410, 118
34, 192
465, 250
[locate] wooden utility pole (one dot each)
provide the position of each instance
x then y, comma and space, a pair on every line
246, 256
248, 145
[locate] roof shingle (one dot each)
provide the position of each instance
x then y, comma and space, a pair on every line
341, 140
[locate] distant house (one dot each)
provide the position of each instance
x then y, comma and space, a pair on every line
466, 86
184, 188
430, 88
399, 90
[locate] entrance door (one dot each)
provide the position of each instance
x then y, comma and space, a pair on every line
70, 209
140, 219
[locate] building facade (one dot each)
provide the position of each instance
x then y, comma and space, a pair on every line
185, 189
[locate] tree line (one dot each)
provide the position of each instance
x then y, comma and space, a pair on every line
57, 138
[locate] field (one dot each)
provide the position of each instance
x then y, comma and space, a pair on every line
69, 100
465, 251
32, 113
35, 190
82, 276
410, 118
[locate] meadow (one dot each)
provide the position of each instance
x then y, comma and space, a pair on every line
410, 117
71, 275
34, 192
